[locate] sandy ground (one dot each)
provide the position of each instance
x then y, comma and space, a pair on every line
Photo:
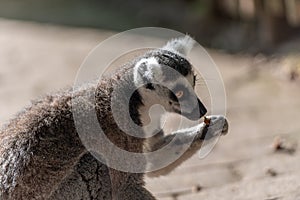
261, 105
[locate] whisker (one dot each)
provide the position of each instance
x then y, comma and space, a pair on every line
206, 97
201, 84
201, 81
206, 79
201, 78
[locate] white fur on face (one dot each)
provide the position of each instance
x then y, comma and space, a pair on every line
159, 96
147, 69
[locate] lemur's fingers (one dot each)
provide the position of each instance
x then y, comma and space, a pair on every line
218, 121
213, 126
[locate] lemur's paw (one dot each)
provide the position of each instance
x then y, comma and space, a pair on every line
218, 124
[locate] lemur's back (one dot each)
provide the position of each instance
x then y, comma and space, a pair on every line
42, 155
40, 148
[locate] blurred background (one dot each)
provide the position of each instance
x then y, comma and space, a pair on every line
234, 25
255, 43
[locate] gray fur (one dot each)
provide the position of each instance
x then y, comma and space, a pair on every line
42, 156
181, 46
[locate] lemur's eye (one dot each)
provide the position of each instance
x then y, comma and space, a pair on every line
179, 94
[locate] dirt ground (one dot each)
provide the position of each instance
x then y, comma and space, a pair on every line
262, 105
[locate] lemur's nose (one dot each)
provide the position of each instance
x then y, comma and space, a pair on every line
202, 109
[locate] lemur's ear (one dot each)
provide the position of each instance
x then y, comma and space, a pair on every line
181, 45
147, 70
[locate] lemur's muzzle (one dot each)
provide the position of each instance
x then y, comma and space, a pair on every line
197, 113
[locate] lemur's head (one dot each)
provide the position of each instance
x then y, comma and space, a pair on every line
166, 77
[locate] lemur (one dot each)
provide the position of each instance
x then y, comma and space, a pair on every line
42, 156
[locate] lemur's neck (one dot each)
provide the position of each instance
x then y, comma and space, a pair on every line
142, 111
150, 113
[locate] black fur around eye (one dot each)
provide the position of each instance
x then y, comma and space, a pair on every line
172, 96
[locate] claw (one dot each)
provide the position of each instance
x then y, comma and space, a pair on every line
225, 127
206, 121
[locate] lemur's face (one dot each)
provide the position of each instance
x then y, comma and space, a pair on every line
167, 78
175, 95
183, 100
